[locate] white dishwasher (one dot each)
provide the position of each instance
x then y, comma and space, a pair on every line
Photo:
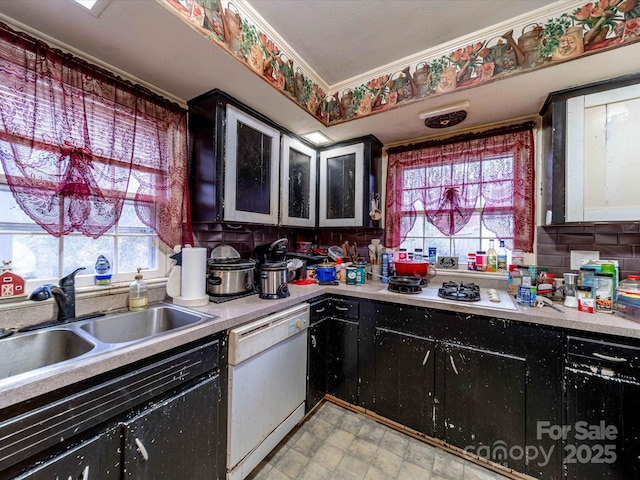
267, 386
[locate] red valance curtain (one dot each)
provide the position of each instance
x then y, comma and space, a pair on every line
74, 138
452, 178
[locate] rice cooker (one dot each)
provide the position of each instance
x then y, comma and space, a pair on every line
273, 280
230, 276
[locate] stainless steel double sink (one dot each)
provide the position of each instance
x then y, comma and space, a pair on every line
64, 343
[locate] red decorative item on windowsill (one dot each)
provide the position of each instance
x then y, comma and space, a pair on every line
11, 284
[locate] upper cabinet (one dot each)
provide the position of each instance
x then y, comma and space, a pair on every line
590, 139
299, 180
235, 162
251, 176
350, 183
245, 168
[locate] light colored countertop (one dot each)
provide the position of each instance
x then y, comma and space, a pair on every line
237, 312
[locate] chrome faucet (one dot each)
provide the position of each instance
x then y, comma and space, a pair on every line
64, 295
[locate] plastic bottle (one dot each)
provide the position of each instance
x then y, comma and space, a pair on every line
418, 255
492, 258
138, 299
481, 260
502, 257
341, 273
516, 280
103, 271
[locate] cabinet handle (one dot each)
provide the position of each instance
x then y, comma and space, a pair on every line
426, 358
320, 310
342, 309
85, 473
611, 359
453, 364
143, 451
314, 343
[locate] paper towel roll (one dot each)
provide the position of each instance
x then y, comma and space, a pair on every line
194, 273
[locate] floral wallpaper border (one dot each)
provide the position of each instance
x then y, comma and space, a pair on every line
592, 27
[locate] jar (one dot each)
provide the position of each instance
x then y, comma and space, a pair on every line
481, 260
517, 257
471, 261
630, 285
402, 254
604, 292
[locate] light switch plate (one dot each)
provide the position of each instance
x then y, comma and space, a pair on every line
578, 257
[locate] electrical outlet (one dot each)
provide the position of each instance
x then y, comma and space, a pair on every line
578, 257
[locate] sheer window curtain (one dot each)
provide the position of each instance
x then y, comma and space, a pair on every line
74, 138
449, 178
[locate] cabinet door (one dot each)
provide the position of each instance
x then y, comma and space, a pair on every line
603, 437
602, 167
177, 438
251, 177
405, 379
96, 458
483, 401
317, 364
342, 359
341, 186
298, 197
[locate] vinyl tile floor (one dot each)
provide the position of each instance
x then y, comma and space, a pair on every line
335, 443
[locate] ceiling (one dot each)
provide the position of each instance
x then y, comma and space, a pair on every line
338, 39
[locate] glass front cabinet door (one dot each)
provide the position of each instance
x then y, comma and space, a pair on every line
298, 195
251, 174
341, 186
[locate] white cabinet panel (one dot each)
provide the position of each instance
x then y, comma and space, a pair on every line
603, 141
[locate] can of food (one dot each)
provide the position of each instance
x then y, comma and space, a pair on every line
352, 276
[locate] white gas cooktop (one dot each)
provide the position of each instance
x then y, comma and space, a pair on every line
430, 293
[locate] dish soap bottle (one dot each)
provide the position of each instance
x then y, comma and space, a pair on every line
138, 294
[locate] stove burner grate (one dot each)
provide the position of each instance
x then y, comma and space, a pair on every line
463, 292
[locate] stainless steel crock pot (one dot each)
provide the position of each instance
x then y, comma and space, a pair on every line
230, 276
273, 280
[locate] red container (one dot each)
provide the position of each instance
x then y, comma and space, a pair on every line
412, 268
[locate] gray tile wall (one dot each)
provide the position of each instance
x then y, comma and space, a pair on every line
615, 241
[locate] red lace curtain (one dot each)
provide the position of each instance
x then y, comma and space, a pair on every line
450, 179
74, 138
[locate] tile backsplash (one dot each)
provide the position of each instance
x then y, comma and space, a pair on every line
615, 241
245, 238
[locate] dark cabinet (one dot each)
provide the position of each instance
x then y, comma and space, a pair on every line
405, 379
333, 351
96, 457
478, 383
602, 438
235, 157
483, 400
174, 438
349, 179
299, 182
163, 417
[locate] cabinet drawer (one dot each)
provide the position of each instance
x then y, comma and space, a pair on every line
619, 357
318, 309
344, 308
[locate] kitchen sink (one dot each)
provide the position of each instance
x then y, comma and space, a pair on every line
30, 351
131, 326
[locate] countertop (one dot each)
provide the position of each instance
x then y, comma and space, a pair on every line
237, 312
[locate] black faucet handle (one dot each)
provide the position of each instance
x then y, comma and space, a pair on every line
70, 280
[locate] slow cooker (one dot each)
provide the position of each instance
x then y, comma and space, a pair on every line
230, 276
273, 280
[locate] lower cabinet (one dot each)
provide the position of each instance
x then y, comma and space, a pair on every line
333, 351
174, 438
483, 399
159, 418
405, 379
97, 457
481, 384
602, 431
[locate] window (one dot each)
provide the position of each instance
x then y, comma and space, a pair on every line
459, 194
90, 164
40, 257
474, 235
